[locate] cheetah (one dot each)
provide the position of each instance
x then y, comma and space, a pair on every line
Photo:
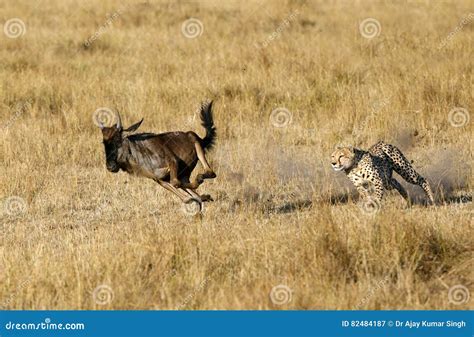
373, 169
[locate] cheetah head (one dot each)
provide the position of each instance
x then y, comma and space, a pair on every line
342, 158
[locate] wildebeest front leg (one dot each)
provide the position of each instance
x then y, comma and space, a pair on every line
203, 197
191, 187
173, 167
185, 197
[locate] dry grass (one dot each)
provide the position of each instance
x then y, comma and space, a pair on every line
281, 217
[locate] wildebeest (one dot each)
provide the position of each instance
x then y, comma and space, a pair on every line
168, 158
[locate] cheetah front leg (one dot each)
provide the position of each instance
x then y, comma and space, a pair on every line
377, 195
364, 194
371, 191
371, 194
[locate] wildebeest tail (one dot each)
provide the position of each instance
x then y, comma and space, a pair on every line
208, 123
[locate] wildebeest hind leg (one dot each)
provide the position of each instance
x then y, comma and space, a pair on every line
208, 172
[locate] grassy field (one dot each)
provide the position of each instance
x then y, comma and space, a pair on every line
290, 80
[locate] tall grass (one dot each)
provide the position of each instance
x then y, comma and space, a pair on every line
75, 236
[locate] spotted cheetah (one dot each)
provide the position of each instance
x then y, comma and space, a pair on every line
373, 169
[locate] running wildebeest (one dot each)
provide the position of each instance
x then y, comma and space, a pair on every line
168, 158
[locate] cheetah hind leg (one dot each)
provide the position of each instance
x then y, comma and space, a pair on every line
426, 187
403, 167
396, 185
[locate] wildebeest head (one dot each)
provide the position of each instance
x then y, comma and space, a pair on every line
113, 137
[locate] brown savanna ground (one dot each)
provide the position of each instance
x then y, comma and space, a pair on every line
285, 232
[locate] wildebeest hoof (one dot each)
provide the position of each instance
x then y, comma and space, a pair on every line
206, 197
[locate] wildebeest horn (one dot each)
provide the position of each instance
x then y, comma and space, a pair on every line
119, 120
133, 127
